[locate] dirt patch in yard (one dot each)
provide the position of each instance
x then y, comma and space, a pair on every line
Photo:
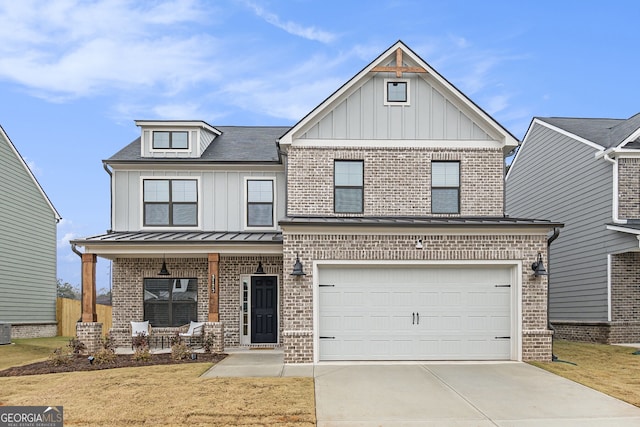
81, 363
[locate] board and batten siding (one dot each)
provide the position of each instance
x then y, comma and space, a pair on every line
27, 245
559, 179
221, 198
429, 115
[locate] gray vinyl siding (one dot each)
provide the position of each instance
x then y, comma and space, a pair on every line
558, 178
429, 115
27, 245
221, 198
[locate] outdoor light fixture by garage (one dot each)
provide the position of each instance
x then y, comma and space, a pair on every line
538, 267
163, 270
259, 270
297, 268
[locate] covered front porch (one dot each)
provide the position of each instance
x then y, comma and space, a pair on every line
230, 281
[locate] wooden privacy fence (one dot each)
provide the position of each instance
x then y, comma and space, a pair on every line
68, 313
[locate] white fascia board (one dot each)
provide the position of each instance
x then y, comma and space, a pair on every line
635, 135
191, 166
624, 152
288, 138
623, 229
31, 175
188, 250
398, 143
177, 124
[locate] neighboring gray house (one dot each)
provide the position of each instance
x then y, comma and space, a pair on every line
586, 174
27, 248
373, 229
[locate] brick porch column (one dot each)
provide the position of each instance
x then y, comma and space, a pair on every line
214, 288
89, 288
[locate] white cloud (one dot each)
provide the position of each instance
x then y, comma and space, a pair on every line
309, 33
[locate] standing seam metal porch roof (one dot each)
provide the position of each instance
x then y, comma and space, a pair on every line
179, 237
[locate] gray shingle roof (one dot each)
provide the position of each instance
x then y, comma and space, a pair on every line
607, 133
236, 144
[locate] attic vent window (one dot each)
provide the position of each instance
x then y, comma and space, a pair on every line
170, 140
396, 92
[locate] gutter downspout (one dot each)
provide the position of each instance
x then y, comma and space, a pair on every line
554, 236
614, 209
106, 168
77, 252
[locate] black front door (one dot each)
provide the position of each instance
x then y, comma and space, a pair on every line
264, 309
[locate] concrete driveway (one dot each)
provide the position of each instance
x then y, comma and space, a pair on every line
484, 394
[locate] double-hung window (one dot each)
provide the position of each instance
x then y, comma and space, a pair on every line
170, 302
348, 194
445, 187
170, 202
259, 203
170, 140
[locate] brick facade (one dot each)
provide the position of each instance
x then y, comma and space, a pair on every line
298, 291
90, 334
34, 330
629, 188
397, 181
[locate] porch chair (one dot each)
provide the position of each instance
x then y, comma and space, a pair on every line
195, 332
140, 328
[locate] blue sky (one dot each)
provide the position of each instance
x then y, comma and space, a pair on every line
74, 75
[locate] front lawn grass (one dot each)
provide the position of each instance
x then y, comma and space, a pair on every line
28, 350
611, 369
173, 395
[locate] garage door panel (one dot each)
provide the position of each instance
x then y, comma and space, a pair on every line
461, 312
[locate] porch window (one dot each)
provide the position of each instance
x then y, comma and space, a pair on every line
170, 302
170, 202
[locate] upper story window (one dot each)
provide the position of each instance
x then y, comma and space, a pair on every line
259, 202
348, 194
396, 92
445, 187
170, 140
170, 202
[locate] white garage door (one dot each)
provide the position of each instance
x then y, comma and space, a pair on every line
414, 313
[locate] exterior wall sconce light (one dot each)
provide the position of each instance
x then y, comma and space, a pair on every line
163, 270
297, 268
538, 267
259, 270
419, 244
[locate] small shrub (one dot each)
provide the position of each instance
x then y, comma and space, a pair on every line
104, 356
59, 356
76, 346
180, 351
142, 354
207, 342
109, 343
140, 341
175, 339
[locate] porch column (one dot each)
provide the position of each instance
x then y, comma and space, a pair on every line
214, 288
89, 288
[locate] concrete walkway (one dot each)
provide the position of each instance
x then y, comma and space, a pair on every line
506, 394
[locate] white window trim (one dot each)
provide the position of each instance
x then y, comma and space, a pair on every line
190, 143
245, 201
386, 97
172, 227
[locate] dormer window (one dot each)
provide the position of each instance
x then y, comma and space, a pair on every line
170, 140
396, 92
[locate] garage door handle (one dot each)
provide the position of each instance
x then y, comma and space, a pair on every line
418, 317
327, 338
413, 318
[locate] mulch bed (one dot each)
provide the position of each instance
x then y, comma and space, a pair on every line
81, 363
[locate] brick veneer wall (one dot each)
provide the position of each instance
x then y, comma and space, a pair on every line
298, 292
310, 179
127, 291
90, 334
34, 330
629, 188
